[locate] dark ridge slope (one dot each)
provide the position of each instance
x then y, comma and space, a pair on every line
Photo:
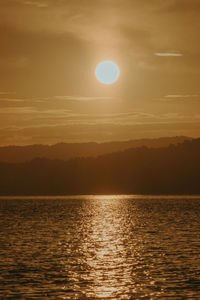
64, 151
171, 170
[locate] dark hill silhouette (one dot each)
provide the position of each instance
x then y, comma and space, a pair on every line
65, 151
170, 170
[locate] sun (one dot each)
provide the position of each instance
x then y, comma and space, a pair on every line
107, 72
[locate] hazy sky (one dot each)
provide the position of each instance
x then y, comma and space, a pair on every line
48, 53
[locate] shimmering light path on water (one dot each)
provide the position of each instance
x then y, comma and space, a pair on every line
100, 247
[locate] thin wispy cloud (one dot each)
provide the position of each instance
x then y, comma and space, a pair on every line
11, 99
81, 98
38, 4
182, 96
169, 54
17, 110
6, 93
179, 98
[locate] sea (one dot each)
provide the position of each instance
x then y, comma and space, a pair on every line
100, 247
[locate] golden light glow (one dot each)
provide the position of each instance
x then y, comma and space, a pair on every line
107, 72
108, 257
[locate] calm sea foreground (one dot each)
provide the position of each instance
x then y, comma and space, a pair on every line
100, 247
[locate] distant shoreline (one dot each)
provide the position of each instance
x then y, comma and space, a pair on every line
169, 171
105, 196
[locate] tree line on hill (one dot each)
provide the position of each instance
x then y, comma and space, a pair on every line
171, 170
66, 151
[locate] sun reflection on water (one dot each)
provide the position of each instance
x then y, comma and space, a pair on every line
108, 258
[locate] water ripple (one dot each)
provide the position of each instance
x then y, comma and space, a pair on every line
100, 247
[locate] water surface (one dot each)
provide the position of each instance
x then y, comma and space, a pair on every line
100, 247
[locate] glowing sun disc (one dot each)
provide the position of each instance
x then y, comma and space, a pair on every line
107, 72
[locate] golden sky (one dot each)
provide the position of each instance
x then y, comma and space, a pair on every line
48, 53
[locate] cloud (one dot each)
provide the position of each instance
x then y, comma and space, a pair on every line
181, 96
82, 98
6, 93
48, 134
169, 54
191, 98
17, 110
11, 99
38, 4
